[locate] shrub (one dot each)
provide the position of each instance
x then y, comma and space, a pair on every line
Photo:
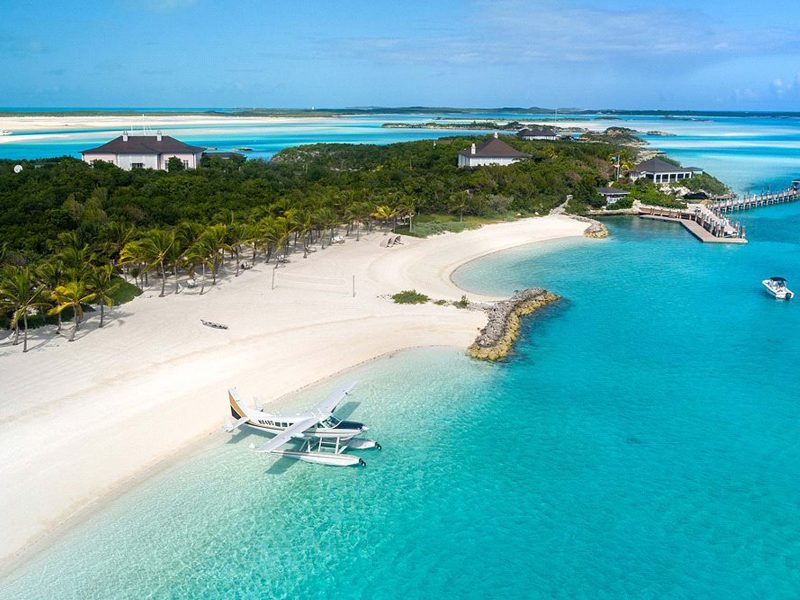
410, 297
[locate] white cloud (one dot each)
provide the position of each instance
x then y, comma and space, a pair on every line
783, 88
539, 31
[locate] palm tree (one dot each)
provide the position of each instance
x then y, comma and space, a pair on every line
407, 210
383, 213
157, 245
22, 294
200, 255
76, 260
114, 236
458, 202
213, 240
235, 235
51, 273
72, 295
327, 221
135, 253
102, 284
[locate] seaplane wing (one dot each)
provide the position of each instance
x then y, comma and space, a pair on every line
330, 403
295, 431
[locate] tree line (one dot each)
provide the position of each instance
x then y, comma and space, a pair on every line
70, 232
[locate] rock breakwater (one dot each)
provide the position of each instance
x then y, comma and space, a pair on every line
496, 340
595, 229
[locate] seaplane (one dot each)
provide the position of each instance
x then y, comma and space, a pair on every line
323, 438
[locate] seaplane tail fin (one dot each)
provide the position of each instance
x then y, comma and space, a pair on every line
239, 409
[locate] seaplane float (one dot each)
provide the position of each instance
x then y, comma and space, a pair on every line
776, 286
319, 437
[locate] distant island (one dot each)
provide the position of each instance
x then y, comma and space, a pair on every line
689, 115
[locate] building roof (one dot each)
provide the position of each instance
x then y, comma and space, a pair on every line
611, 192
538, 130
657, 165
144, 144
494, 148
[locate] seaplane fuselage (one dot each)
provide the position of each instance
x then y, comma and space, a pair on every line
328, 426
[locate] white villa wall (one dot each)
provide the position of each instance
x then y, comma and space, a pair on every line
90, 158
478, 161
190, 160
149, 161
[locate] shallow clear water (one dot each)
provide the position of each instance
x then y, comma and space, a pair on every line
641, 442
749, 153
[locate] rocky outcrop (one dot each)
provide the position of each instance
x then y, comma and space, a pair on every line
595, 229
496, 340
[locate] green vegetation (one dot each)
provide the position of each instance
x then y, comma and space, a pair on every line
706, 183
473, 125
124, 291
74, 236
433, 224
463, 303
410, 297
324, 182
615, 135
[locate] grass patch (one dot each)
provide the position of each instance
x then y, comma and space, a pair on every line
410, 297
434, 224
463, 303
124, 292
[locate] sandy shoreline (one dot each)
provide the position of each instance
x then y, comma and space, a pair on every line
32, 124
79, 422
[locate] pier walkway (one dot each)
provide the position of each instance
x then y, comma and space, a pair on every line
700, 221
710, 222
756, 200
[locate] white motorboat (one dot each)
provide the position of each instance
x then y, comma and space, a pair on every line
776, 286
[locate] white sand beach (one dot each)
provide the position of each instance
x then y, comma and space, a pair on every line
79, 420
22, 124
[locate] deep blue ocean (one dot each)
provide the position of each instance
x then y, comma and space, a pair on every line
642, 442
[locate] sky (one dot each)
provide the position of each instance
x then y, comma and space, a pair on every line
626, 54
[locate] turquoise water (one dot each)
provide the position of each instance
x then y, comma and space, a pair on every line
641, 443
750, 153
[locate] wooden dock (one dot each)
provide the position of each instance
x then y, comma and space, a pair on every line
756, 200
695, 229
710, 223
702, 223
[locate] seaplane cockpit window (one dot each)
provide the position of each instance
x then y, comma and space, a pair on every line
330, 423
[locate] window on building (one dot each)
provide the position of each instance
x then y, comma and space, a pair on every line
137, 165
